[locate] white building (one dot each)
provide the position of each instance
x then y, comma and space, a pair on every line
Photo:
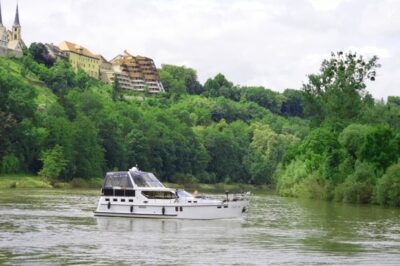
11, 42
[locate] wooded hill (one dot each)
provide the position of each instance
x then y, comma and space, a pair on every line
328, 140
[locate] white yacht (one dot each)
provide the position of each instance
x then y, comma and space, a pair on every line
140, 194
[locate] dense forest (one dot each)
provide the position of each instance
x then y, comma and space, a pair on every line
329, 140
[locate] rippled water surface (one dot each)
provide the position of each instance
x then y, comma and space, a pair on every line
58, 227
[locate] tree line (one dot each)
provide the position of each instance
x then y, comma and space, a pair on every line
329, 140
352, 152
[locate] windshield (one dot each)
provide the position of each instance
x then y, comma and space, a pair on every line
117, 179
143, 179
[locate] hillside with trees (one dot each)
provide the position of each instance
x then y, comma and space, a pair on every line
330, 140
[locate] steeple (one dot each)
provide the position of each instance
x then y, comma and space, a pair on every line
1, 20
16, 20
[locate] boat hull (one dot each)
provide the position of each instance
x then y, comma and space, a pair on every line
172, 210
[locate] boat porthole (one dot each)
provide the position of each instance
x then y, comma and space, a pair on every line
109, 205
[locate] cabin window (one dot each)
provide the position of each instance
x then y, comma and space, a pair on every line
115, 199
108, 192
107, 199
122, 200
118, 192
159, 194
181, 208
130, 192
130, 200
176, 208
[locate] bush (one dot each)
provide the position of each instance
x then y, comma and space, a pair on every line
293, 174
387, 190
358, 187
53, 162
10, 164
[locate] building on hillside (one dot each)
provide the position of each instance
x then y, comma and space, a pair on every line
136, 73
11, 42
55, 52
82, 58
106, 70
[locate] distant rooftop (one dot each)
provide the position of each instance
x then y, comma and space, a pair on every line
76, 48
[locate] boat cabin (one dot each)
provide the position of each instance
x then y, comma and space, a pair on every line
127, 184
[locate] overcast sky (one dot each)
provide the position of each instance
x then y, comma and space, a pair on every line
273, 43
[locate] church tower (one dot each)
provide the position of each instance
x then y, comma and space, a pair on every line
16, 28
3, 34
1, 20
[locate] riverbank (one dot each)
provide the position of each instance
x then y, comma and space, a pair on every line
22, 181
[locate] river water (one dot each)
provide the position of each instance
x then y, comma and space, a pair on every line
52, 227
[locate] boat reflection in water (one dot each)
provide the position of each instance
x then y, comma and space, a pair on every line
140, 194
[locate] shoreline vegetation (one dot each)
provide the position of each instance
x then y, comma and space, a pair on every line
28, 181
330, 140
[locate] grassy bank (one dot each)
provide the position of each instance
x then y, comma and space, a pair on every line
31, 181
23, 181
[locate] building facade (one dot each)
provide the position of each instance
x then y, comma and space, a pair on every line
55, 52
81, 58
11, 42
136, 73
106, 70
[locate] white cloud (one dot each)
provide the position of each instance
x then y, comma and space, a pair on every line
371, 51
325, 5
273, 43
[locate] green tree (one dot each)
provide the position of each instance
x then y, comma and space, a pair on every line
40, 53
338, 93
381, 147
263, 97
292, 104
266, 152
88, 153
116, 89
54, 162
352, 138
359, 186
213, 85
180, 79
17, 104
10, 164
388, 187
